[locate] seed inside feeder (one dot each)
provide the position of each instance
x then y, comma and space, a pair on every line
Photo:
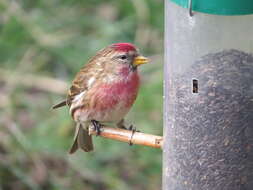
222, 115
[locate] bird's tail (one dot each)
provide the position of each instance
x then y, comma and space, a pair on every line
81, 140
62, 103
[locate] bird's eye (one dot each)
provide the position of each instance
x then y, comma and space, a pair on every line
123, 57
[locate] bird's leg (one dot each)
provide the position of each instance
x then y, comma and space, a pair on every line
133, 129
121, 124
97, 126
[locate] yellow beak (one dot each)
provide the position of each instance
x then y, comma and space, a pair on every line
139, 60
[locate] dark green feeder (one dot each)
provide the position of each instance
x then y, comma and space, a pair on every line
208, 109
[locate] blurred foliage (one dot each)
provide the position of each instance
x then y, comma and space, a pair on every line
43, 43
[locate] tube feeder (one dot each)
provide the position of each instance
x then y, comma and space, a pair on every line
208, 109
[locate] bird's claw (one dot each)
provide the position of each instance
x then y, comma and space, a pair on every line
97, 126
133, 129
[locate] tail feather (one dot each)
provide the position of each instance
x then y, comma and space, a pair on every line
62, 103
81, 140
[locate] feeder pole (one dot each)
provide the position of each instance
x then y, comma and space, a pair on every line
208, 108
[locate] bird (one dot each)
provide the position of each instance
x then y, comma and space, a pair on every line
103, 91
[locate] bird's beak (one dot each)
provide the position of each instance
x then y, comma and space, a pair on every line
139, 60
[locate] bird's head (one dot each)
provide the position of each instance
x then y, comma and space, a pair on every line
126, 54
119, 58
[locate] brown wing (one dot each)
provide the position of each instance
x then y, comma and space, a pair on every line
80, 83
91, 71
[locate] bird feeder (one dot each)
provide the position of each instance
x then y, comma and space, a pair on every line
208, 116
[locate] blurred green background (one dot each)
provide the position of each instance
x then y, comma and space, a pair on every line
43, 43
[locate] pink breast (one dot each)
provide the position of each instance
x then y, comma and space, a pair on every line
121, 93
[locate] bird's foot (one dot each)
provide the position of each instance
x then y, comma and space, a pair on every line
123, 127
133, 129
97, 126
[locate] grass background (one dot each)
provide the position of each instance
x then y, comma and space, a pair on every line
43, 43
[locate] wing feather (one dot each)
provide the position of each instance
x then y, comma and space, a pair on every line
88, 75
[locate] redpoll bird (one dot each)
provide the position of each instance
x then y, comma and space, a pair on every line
103, 91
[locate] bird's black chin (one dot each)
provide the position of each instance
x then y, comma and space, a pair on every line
133, 68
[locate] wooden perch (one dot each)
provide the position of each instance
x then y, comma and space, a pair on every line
128, 136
